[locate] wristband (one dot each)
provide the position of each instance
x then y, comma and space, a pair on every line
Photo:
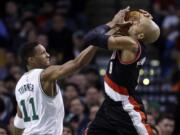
97, 37
19, 122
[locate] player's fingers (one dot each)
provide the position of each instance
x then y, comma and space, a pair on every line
146, 14
142, 11
127, 9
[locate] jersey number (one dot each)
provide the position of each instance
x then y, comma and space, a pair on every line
26, 117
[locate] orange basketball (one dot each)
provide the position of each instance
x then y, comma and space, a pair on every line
133, 15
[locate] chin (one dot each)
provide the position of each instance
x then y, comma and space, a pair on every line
48, 64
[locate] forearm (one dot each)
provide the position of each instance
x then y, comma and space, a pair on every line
86, 55
97, 37
17, 131
55, 72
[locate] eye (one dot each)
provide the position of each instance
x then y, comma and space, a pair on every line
43, 52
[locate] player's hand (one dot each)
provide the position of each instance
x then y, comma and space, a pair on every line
119, 19
146, 13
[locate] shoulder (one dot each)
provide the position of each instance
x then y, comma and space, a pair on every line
123, 42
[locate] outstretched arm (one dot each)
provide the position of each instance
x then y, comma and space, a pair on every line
53, 73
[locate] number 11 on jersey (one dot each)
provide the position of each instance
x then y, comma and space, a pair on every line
26, 116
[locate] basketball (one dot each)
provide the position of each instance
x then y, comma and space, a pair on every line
133, 15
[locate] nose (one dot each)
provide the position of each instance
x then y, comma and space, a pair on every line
47, 54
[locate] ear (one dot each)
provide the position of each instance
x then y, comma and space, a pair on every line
30, 60
141, 36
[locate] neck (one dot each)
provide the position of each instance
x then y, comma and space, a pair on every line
29, 67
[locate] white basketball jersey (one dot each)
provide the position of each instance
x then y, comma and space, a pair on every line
42, 114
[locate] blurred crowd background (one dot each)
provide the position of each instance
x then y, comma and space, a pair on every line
60, 26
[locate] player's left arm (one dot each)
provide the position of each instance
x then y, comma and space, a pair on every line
18, 123
17, 131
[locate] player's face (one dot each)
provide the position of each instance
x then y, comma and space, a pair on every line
42, 58
137, 27
67, 131
134, 29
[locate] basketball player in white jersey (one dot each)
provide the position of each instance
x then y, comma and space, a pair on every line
40, 104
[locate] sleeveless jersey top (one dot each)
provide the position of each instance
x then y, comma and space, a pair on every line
121, 78
41, 114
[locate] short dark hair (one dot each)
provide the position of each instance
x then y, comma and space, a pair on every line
73, 85
163, 116
26, 51
68, 125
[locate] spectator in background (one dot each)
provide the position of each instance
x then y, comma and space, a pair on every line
79, 118
16, 72
2, 87
43, 18
28, 11
70, 92
12, 16
67, 129
9, 98
32, 35
165, 124
27, 25
10, 83
93, 110
4, 35
78, 42
93, 77
161, 9
150, 118
60, 39
170, 33
11, 59
12, 21
81, 81
43, 39
93, 97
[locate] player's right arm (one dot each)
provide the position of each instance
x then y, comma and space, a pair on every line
56, 72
